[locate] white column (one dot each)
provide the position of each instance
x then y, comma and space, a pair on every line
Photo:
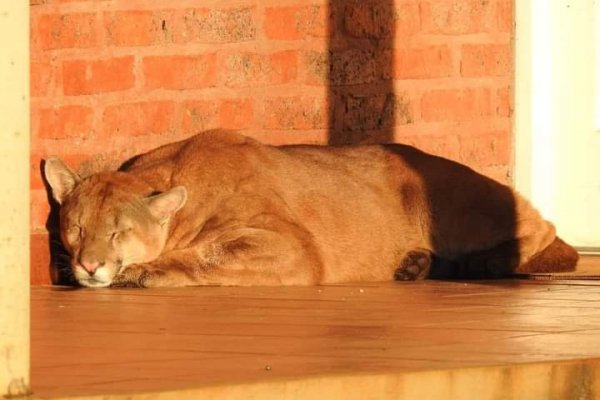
14, 197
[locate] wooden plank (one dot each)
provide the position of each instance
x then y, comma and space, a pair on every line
215, 340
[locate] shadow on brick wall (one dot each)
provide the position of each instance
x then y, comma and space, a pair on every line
361, 98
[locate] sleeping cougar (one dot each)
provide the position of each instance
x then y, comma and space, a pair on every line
223, 209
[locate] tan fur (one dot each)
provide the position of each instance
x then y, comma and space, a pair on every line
294, 215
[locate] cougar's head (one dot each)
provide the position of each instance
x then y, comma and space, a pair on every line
109, 220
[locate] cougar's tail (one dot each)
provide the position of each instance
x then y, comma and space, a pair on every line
557, 257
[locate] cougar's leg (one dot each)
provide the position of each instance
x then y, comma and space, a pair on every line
246, 257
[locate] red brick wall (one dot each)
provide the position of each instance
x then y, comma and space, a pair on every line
112, 78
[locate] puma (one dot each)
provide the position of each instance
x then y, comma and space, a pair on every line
223, 209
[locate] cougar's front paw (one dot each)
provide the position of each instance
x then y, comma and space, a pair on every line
415, 265
133, 276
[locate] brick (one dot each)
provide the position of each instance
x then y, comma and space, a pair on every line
65, 122
422, 63
369, 112
295, 113
236, 114
504, 16
504, 102
180, 72
40, 75
446, 145
300, 22
203, 25
131, 28
136, 119
39, 260
251, 69
36, 180
456, 105
97, 76
199, 115
486, 60
39, 208
457, 16
60, 31
346, 67
377, 20
486, 148
316, 64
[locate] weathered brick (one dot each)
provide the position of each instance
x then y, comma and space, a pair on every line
377, 20
354, 66
293, 23
368, 112
422, 63
40, 208
347, 67
220, 25
456, 105
504, 15
39, 259
249, 69
457, 16
97, 76
486, 60
136, 119
65, 122
35, 172
442, 145
131, 28
295, 113
316, 66
59, 31
180, 72
40, 75
485, 148
504, 102
236, 113
199, 115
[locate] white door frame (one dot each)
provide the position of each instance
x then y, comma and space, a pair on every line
556, 49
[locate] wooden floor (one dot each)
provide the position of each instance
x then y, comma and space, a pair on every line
360, 341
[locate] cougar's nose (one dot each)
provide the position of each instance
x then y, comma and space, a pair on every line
90, 266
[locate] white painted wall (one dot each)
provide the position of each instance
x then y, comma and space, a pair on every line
14, 197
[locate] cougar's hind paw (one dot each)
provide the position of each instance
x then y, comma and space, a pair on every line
415, 265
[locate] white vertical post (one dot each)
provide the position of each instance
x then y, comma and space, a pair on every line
14, 198
557, 114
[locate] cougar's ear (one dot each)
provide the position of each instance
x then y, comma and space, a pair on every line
61, 178
163, 206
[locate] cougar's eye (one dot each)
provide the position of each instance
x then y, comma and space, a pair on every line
74, 231
118, 234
